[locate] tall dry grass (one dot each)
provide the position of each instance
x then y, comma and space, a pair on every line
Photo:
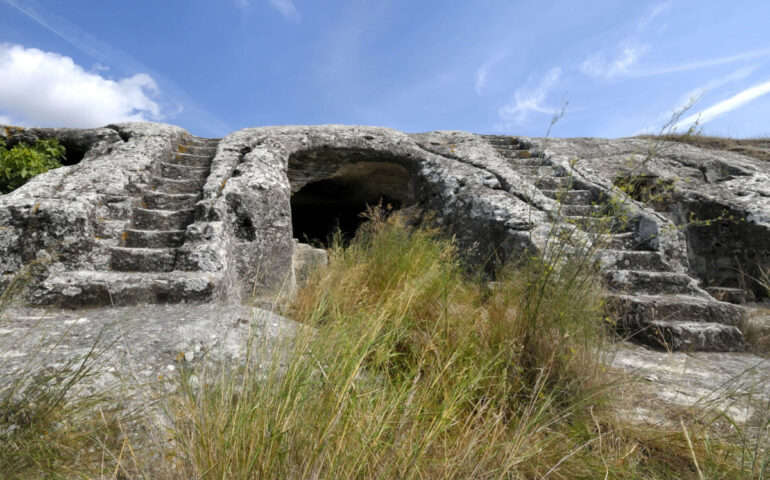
411, 368
406, 365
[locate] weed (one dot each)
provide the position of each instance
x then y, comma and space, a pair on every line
23, 162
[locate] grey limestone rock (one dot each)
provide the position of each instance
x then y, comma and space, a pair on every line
148, 213
306, 259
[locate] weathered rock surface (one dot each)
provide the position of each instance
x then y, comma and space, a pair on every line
133, 351
666, 384
150, 214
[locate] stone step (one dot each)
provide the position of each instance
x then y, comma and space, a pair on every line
142, 259
168, 201
200, 161
537, 172
519, 157
501, 140
169, 185
679, 322
632, 260
532, 162
78, 289
153, 238
571, 197
601, 225
508, 145
490, 136
576, 210
179, 171
146, 219
554, 183
640, 282
737, 296
693, 337
202, 149
193, 140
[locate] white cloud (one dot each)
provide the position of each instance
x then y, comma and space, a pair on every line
719, 109
597, 65
286, 7
699, 92
483, 71
174, 97
526, 100
696, 65
6, 120
45, 88
98, 67
651, 13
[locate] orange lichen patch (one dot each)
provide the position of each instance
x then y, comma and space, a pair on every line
222, 187
124, 236
9, 131
182, 149
36, 208
523, 154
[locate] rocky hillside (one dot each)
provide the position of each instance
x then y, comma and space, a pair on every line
147, 213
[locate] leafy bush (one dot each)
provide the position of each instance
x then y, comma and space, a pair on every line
23, 161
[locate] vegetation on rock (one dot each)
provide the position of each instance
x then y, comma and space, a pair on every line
412, 368
23, 161
407, 366
758, 148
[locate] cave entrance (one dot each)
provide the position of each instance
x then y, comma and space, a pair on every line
727, 252
331, 190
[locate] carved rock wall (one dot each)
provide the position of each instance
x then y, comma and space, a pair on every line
148, 213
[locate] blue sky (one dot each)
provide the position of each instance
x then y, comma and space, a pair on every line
486, 66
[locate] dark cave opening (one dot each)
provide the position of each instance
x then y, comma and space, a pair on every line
341, 192
74, 149
725, 250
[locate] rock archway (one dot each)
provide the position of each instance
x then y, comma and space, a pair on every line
331, 188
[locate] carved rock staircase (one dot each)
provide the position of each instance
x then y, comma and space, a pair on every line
145, 263
651, 302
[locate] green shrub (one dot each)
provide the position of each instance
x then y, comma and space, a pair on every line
23, 161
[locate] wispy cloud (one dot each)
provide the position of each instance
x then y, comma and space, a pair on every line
699, 92
693, 97
286, 8
651, 13
45, 88
597, 64
699, 64
531, 99
4, 120
483, 72
738, 100
105, 55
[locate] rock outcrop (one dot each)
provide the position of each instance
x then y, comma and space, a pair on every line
146, 213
